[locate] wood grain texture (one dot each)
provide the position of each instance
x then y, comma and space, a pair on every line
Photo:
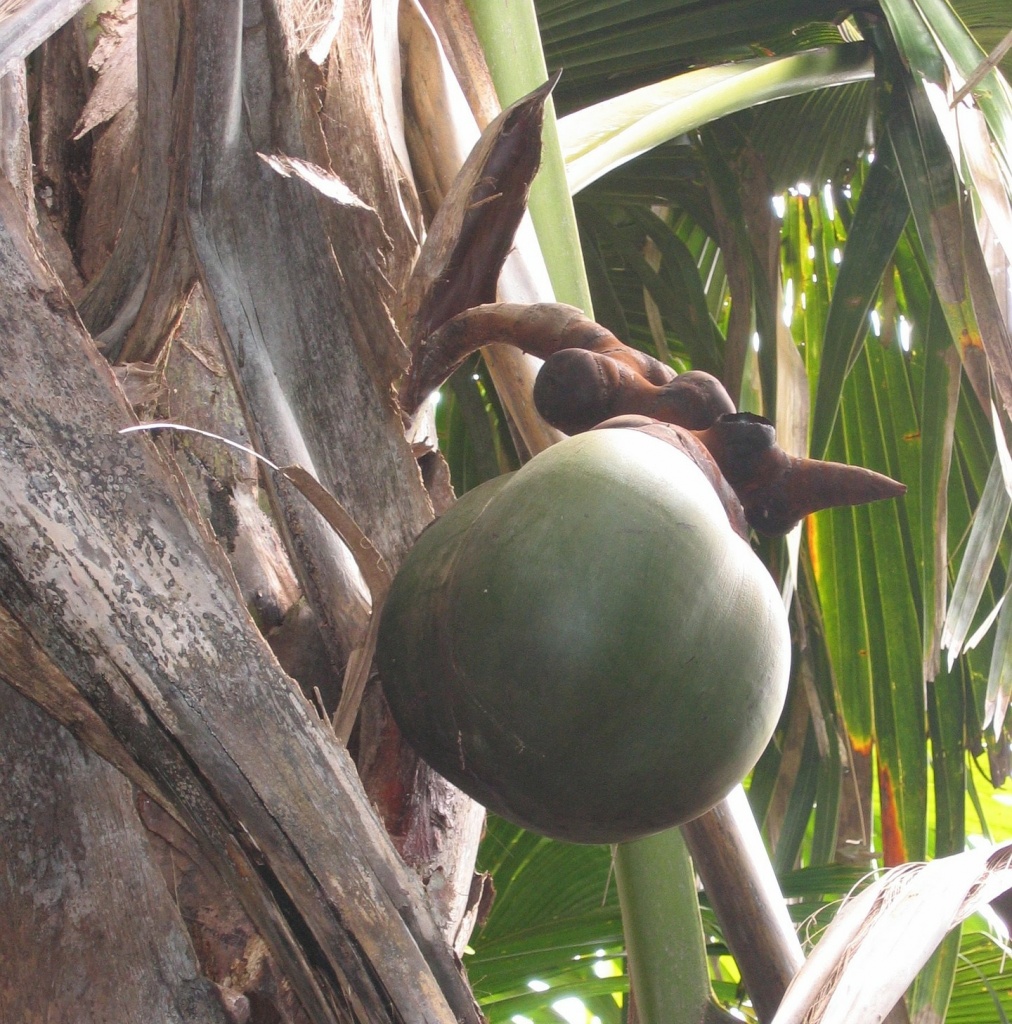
15, 147
276, 290
303, 293
134, 303
90, 930
363, 131
130, 601
30, 24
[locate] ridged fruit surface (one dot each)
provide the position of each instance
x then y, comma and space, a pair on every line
585, 646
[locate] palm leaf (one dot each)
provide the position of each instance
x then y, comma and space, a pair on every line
877, 223
598, 138
880, 939
608, 48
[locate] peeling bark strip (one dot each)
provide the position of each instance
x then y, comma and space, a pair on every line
121, 592
361, 125
31, 24
435, 99
132, 305
24, 665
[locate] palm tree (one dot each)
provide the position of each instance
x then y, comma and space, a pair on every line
858, 312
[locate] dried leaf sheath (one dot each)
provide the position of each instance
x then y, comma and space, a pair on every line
473, 231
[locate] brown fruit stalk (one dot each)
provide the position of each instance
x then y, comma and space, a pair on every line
548, 329
590, 378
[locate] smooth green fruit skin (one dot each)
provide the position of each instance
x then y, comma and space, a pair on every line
585, 646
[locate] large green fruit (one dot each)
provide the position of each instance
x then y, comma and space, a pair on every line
585, 646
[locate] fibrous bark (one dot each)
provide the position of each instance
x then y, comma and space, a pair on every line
29, 25
303, 292
90, 931
134, 604
15, 145
275, 288
300, 293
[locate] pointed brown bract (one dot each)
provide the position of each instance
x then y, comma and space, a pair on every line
473, 230
813, 485
778, 490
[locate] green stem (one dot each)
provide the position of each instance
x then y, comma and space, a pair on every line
663, 930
